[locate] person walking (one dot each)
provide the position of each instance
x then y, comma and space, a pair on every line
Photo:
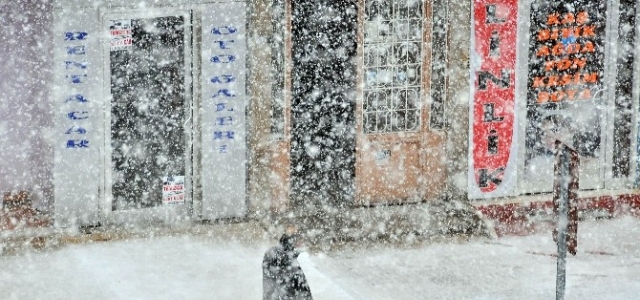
282, 276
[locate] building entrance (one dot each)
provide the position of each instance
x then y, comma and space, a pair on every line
149, 74
323, 142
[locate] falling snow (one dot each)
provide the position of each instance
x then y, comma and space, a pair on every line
375, 149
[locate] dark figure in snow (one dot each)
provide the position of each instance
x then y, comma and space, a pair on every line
282, 277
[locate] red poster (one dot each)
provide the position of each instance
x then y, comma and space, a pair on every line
493, 105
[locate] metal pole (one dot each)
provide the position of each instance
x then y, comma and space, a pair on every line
563, 221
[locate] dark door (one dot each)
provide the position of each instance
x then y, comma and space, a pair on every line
147, 111
323, 102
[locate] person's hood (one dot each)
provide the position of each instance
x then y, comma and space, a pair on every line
287, 242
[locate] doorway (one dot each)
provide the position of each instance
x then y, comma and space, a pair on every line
323, 139
148, 139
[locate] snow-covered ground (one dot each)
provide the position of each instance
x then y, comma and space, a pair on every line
199, 267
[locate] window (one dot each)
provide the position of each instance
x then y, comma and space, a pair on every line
148, 110
277, 70
622, 120
392, 65
439, 60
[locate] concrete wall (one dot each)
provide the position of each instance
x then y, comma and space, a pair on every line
259, 90
457, 105
26, 43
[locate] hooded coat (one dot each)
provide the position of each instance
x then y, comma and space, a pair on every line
282, 277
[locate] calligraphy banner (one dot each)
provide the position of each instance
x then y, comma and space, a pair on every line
223, 113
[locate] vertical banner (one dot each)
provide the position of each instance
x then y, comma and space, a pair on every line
566, 67
224, 104
77, 132
492, 167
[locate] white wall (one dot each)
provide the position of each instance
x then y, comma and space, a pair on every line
26, 158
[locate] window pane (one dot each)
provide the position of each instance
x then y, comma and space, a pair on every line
392, 62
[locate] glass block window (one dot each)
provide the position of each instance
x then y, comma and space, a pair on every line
392, 65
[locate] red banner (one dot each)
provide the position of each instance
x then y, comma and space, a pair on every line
493, 105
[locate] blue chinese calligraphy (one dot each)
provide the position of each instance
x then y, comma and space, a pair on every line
224, 58
69, 64
220, 135
77, 144
76, 78
75, 35
76, 50
224, 44
224, 93
224, 121
75, 129
78, 115
224, 30
76, 98
227, 78
223, 107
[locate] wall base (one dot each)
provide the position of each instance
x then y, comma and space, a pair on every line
530, 214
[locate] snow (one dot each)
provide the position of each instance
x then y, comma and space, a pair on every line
223, 267
336, 96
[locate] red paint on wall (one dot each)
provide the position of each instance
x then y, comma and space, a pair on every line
515, 219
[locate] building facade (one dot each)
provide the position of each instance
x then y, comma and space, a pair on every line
353, 122
542, 71
181, 110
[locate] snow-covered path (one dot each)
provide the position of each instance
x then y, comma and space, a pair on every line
198, 267
607, 267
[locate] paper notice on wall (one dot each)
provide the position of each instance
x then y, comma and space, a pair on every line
120, 35
173, 190
382, 157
